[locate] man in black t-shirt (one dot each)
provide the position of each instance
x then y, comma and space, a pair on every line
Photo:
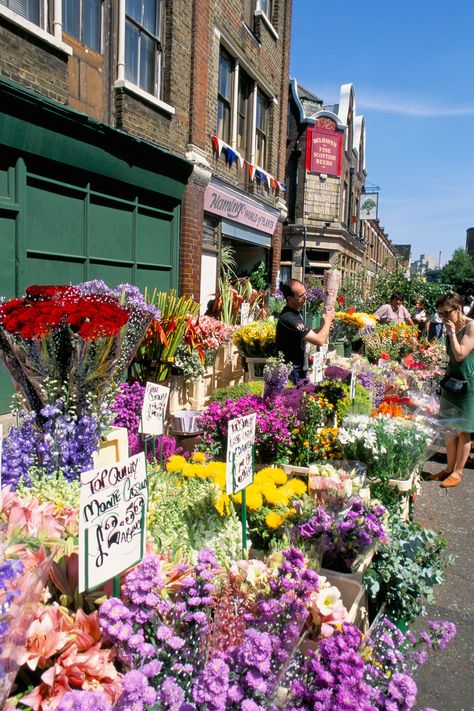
292, 332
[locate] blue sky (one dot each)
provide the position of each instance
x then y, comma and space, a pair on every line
412, 67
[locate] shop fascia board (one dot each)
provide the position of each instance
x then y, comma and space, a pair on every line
32, 123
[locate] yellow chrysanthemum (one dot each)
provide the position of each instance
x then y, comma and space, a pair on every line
199, 457
220, 479
296, 486
273, 495
254, 499
273, 520
175, 463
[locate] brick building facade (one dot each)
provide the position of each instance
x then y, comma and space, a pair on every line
152, 70
325, 177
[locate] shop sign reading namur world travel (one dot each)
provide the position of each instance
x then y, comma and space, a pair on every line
233, 206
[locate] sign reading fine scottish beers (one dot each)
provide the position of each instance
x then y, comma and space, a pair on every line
324, 151
113, 504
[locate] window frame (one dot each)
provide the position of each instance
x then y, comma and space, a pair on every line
255, 89
49, 31
80, 39
261, 131
225, 133
156, 39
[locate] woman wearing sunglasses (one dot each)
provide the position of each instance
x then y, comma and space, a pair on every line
457, 393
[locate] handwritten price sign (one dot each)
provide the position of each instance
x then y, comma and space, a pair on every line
112, 518
239, 463
154, 409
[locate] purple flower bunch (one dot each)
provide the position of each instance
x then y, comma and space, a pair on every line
343, 533
275, 375
162, 641
332, 677
10, 571
391, 657
127, 407
272, 433
245, 675
375, 385
84, 701
61, 442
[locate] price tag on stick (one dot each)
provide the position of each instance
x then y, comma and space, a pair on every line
240, 463
154, 407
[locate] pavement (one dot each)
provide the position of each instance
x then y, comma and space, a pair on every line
446, 681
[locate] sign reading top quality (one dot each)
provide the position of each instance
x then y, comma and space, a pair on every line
239, 462
113, 504
323, 152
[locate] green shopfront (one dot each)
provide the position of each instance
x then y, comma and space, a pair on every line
79, 200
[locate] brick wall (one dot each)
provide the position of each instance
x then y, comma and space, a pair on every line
192, 215
28, 61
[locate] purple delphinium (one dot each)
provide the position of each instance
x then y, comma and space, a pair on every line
57, 442
84, 701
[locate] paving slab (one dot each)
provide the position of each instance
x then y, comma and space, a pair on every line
446, 681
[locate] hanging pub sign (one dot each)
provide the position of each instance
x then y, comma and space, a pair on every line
369, 205
112, 516
324, 151
154, 407
240, 444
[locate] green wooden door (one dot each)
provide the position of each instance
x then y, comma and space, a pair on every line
58, 226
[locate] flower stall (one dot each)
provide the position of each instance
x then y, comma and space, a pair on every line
270, 596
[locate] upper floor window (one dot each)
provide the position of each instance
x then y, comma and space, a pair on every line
261, 128
242, 111
143, 47
224, 97
266, 6
82, 20
32, 10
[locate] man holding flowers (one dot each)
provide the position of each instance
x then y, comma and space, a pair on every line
292, 334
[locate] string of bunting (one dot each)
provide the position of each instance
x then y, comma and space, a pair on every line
231, 157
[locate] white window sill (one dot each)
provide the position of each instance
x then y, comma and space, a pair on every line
133, 89
33, 29
266, 20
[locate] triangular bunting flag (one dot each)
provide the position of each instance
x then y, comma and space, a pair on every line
267, 178
259, 175
241, 161
251, 171
220, 145
215, 143
230, 155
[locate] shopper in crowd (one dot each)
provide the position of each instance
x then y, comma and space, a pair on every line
394, 311
435, 326
419, 317
292, 334
457, 393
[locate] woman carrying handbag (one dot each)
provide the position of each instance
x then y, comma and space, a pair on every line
457, 387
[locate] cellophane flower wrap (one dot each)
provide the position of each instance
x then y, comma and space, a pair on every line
332, 282
80, 337
390, 447
22, 580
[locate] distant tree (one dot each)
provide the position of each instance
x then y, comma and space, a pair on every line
459, 272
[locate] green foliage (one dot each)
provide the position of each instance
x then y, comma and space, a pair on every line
405, 572
459, 272
259, 277
55, 488
360, 405
234, 392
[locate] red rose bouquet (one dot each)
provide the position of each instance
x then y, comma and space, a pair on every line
71, 342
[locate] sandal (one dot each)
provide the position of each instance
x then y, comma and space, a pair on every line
440, 476
453, 480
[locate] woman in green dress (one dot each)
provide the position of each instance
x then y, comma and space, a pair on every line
460, 405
